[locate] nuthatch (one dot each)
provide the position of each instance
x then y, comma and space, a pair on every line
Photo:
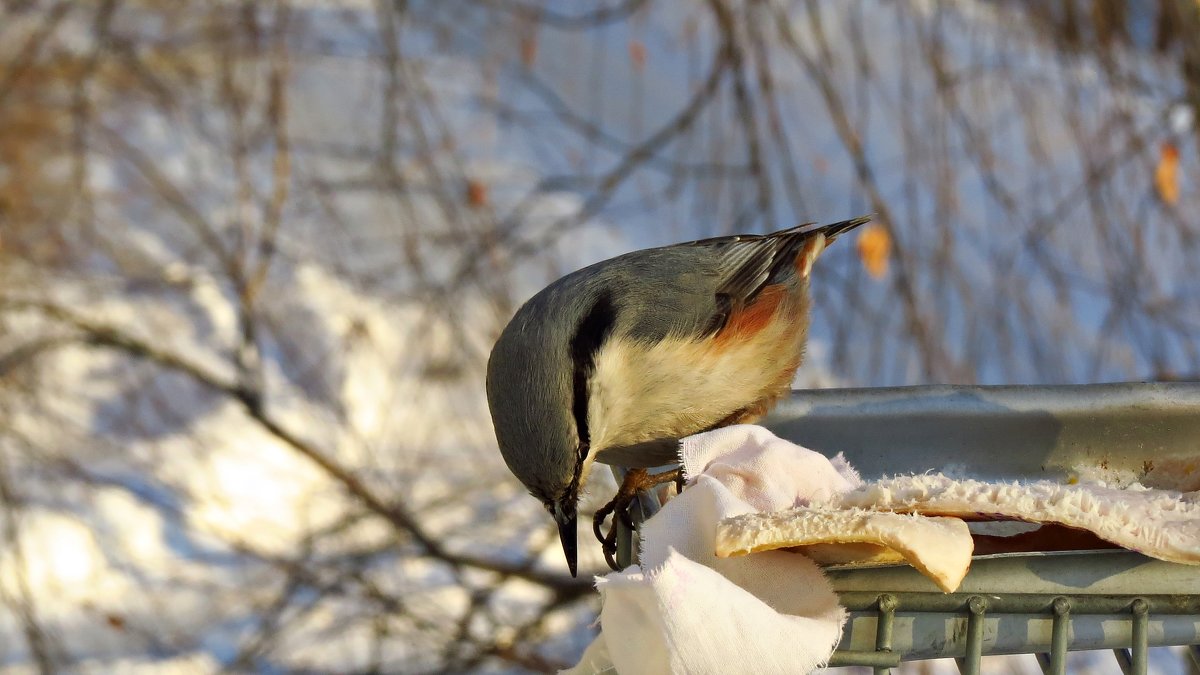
617, 361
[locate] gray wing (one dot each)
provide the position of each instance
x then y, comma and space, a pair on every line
659, 452
699, 284
748, 263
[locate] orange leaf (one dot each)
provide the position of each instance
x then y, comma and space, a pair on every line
874, 248
637, 54
1166, 174
529, 48
477, 193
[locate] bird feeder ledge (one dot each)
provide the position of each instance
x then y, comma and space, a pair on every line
1074, 600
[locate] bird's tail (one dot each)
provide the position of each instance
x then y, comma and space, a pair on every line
834, 230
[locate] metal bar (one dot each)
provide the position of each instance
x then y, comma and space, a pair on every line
969, 664
1000, 432
1141, 619
883, 628
846, 657
625, 543
1091, 573
643, 506
1055, 663
1022, 603
939, 636
1058, 636
625, 536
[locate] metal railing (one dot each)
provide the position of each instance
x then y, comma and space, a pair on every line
1081, 600
976, 609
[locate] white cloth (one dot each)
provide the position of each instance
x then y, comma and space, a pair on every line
686, 611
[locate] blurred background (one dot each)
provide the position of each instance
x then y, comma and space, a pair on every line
253, 256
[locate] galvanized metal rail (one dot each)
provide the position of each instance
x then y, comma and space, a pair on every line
1117, 600
977, 609
1005, 432
1110, 599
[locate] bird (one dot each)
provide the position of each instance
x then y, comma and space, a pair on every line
615, 362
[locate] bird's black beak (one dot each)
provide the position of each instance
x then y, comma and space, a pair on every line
566, 516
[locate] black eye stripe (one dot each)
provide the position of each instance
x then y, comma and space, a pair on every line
593, 329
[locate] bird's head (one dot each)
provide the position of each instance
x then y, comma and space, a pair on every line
537, 438
538, 379
539, 411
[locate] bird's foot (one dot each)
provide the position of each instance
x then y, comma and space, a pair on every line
635, 481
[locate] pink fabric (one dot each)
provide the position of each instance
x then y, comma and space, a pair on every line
687, 611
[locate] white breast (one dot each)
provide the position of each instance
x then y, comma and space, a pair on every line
641, 392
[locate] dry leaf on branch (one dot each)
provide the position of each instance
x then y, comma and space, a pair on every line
529, 49
637, 54
874, 249
1166, 174
477, 194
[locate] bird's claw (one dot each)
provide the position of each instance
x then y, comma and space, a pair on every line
635, 481
608, 542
